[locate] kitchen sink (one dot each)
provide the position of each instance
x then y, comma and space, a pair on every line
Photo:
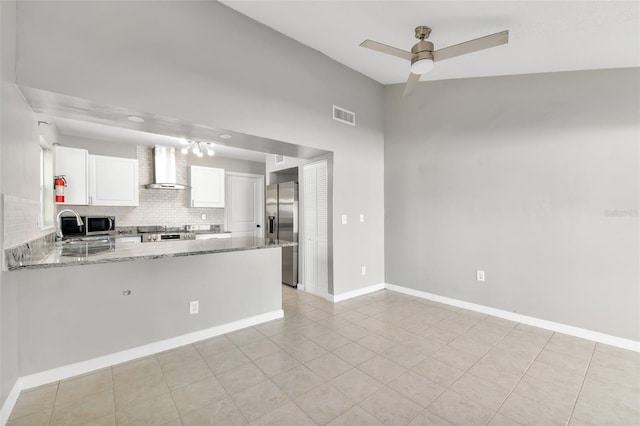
83, 247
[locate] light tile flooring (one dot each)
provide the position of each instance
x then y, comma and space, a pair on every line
385, 358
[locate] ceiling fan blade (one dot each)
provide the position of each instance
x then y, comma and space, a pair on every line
470, 46
389, 50
412, 82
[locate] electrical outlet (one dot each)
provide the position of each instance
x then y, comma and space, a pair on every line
364, 270
203, 216
344, 219
361, 218
480, 276
194, 307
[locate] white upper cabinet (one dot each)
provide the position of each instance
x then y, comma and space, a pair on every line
207, 186
73, 163
113, 181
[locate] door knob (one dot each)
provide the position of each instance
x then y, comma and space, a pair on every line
258, 226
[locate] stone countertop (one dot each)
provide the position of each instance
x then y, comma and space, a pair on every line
110, 251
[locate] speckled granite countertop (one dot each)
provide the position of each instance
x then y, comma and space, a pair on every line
107, 250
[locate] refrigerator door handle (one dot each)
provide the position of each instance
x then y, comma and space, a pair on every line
272, 220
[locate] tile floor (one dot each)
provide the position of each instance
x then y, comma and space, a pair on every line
381, 359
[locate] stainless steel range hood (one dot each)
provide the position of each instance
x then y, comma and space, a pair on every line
165, 169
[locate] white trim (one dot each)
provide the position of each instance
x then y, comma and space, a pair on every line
10, 402
355, 293
83, 367
596, 336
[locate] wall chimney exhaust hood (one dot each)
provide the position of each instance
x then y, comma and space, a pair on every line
165, 169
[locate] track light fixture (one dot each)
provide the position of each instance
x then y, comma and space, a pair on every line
198, 148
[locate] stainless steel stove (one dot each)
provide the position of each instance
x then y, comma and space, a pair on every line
155, 234
156, 237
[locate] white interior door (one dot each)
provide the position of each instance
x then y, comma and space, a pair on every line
316, 266
244, 204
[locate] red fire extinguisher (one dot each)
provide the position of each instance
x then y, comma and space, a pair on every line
59, 183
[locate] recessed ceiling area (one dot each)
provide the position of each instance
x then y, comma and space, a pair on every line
544, 36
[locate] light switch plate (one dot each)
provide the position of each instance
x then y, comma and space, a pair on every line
344, 219
361, 218
480, 276
194, 307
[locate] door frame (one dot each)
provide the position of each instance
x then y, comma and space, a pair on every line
260, 195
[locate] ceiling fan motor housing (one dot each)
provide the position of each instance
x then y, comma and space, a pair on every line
422, 32
422, 50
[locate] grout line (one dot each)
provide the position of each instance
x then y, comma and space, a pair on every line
113, 390
467, 371
584, 378
53, 406
524, 373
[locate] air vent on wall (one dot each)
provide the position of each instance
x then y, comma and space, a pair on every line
344, 116
279, 159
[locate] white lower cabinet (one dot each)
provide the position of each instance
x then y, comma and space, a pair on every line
207, 186
113, 181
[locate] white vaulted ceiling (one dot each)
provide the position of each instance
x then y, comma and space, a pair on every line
545, 36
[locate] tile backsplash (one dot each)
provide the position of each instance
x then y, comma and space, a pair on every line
21, 220
157, 206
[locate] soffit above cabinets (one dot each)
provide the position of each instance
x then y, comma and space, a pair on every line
87, 129
544, 36
79, 117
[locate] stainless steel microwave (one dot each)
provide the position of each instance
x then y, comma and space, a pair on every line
93, 225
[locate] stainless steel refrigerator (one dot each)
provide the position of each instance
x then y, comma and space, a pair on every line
282, 224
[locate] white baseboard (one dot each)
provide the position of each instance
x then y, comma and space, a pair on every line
64, 372
355, 293
595, 336
10, 402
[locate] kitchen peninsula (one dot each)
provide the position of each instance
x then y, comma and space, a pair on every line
134, 300
108, 250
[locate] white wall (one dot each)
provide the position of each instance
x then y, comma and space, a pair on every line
195, 61
16, 150
74, 314
534, 179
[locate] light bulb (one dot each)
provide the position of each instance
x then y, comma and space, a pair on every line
422, 66
210, 152
185, 150
196, 149
200, 154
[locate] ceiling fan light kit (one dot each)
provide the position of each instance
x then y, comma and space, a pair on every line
423, 55
421, 66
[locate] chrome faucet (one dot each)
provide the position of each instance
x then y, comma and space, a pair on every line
59, 230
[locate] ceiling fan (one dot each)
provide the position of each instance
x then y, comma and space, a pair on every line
422, 55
